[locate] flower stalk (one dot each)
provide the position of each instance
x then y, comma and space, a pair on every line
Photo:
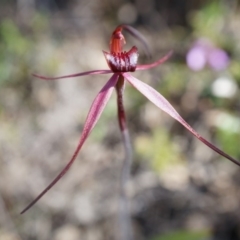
124, 230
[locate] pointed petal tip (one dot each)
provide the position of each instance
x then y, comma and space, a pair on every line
219, 151
38, 76
156, 63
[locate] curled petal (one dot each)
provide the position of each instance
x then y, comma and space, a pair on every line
96, 109
139, 36
154, 64
156, 98
94, 72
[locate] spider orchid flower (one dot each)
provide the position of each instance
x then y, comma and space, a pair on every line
121, 63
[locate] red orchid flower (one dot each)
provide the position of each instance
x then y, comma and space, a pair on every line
121, 64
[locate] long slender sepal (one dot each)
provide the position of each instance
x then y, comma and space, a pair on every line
154, 64
162, 103
94, 72
96, 109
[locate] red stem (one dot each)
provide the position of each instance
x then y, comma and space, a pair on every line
121, 112
125, 229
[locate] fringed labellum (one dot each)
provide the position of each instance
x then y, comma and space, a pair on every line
122, 61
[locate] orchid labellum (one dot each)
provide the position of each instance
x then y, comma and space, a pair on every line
121, 63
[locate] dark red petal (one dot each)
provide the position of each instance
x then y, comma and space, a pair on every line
162, 103
96, 109
94, 72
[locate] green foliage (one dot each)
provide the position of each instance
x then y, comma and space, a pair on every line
158, 148
17, 46
175, 80
14, 49
235, 70
184, 235
209, 21
13, 39
228, 133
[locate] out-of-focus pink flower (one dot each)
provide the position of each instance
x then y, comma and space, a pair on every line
218, 59
205, 53
196, 58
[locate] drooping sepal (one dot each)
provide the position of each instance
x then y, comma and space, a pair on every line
93, 116
123, 61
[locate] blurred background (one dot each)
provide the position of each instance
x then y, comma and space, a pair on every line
179, 189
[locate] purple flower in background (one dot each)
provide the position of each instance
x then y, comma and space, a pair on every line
218, 59
205, 53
